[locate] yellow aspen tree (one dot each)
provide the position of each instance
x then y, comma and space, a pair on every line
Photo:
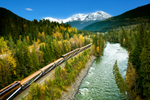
72, 42
38, 41
66, 48
67, 35
2, 44
9, 64
70, 29
97, 42
69, 46
75, 30
124, 41
62, 28
61, 45
81, 40
57, 29
35, 45
59, 35
76, 40
97, 49
39, 35
43, 36
28, 40
54, 35
2, 66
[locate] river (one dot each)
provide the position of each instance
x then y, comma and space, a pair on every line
99, 84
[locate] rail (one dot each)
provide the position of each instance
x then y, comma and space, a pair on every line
23, 84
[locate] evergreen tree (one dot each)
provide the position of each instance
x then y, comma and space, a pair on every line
119, 80
24, 71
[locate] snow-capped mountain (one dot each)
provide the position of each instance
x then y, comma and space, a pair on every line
82, 20
99, 15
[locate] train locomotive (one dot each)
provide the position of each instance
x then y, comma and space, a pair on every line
10, 91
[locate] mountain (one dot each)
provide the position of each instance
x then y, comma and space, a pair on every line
14, 26
9, 21
81, 20
132, 17
4, 13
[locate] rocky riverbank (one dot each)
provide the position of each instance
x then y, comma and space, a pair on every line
73, 89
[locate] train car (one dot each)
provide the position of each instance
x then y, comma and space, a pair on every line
30, 79
69, 54
87, 46
47, 68
84, 47
5, 92
58, 61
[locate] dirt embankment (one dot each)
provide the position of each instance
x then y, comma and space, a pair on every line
73, 89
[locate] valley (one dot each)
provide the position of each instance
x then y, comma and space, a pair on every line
83, 57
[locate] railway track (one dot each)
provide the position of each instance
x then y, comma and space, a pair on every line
20, 89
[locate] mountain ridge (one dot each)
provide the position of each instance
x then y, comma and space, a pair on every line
131, 17
82, 19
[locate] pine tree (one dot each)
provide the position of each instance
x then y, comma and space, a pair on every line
24, 71
120, 81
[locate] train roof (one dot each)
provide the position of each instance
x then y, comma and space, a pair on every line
8, 86
71, 52
86, 45
30, 77
58, 60
45, 67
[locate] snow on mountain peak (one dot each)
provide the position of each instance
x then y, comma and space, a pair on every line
53, 19
99, 15
79, 17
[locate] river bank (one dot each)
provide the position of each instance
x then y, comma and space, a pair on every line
99, 83
73, 89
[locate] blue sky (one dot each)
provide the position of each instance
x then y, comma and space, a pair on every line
62, 9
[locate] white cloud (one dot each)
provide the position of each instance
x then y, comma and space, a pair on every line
29, 9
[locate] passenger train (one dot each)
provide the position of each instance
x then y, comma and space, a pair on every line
16, 87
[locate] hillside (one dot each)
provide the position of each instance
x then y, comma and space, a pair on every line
12, 24
80, 24
135, 16
9, 22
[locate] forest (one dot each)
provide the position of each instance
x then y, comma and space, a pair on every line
137, 42
22, 53
64, 77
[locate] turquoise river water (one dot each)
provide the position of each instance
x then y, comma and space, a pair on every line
99, 84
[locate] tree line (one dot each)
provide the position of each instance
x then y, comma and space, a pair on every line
137, 42
99, 41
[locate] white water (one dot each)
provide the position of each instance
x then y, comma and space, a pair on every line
99, 84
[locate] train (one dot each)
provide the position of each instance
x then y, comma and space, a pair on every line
10, 91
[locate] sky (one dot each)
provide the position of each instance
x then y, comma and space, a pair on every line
62, 9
